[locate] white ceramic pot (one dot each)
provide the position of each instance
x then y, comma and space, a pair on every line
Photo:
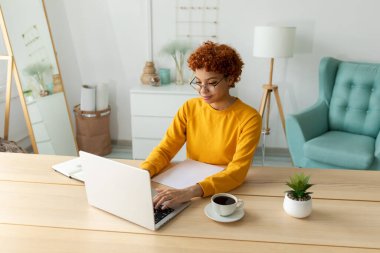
297, 209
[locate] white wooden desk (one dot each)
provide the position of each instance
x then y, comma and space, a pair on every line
43, 211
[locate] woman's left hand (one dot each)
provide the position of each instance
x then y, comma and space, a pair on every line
172, 197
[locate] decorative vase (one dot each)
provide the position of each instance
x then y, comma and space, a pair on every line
297, 209
179, 76
58, 87
149, 73
49, 88
164, 75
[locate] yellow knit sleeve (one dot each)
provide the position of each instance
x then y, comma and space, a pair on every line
236, 171
171, 143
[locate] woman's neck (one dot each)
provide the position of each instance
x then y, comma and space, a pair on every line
222, 105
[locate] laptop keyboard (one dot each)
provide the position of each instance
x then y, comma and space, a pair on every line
159, 214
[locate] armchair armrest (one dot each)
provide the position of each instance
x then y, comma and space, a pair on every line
304, 126
376, 163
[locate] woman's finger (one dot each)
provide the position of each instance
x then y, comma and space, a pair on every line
161, 199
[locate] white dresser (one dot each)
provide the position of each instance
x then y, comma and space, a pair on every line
152, 110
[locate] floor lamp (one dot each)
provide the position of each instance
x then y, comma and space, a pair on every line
272, 42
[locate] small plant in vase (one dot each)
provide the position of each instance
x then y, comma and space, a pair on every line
298, 202
37, 71
177, 49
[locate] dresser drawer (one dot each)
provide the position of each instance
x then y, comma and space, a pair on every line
46, 148
152, 111
150, 127
165, 105
41, 134
34, 113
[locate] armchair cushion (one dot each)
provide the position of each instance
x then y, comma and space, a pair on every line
342, 149
355, 101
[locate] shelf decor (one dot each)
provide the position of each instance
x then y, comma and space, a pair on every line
39, 71
177, 49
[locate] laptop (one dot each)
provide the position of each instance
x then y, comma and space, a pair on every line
124, 191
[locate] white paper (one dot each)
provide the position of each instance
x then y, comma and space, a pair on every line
101, 96
186, 173
88, 98
71, 168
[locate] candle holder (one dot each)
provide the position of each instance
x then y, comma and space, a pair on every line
149, 73
164, 75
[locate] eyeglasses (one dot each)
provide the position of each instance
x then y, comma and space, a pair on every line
210, 86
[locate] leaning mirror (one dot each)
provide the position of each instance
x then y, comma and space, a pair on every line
38, 77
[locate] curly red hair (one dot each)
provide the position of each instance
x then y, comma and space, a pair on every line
219, 58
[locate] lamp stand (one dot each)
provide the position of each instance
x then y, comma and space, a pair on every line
265, 108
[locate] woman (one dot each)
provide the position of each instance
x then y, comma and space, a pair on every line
217, 127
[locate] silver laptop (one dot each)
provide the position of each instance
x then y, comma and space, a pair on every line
124, 191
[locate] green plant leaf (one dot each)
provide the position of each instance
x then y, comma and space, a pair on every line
299, 183
36, 68
175, 46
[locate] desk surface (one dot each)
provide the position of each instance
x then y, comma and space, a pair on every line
43, 211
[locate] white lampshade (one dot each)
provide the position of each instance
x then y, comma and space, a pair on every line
273, 41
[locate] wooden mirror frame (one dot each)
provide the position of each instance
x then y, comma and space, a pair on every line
12, 71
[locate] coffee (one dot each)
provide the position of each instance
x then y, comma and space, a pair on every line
224, 200
225, 204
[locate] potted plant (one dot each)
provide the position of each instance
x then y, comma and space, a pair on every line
177, 49
38, 71
298, 202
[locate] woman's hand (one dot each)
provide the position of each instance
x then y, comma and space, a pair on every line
173, 197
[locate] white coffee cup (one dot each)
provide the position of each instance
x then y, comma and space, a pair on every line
225, 204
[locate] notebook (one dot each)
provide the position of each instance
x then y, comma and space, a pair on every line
186, 173
124, 191
71, 168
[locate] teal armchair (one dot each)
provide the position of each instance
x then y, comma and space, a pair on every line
342, 130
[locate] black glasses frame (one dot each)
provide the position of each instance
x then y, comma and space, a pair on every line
198, 87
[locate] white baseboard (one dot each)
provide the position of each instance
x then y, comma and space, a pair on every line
271, 151
123, 143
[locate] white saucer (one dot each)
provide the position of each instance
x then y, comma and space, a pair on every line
237, 215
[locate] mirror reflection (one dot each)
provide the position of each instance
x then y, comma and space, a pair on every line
38, 71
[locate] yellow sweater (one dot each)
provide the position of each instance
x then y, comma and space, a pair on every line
227, 137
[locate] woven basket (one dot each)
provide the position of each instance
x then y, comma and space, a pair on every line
93, 131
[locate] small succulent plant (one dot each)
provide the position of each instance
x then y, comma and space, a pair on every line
299, 183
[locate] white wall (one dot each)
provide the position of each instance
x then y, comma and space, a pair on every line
66, 54
344, 29
106, 40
